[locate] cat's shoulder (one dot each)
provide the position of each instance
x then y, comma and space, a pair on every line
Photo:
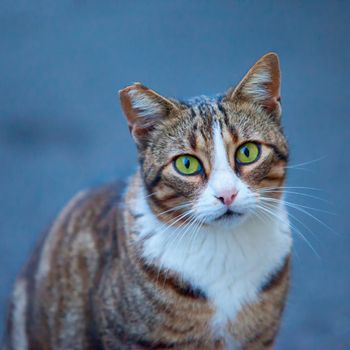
89, 217
91, 206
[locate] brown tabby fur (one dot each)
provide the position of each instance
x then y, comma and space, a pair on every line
87, 286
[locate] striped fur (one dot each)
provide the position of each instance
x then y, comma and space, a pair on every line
134, 270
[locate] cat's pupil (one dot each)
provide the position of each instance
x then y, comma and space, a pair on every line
246, 152
186, 162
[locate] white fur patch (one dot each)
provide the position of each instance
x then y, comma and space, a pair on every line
145, 105
255, 86
19, 334
229, 263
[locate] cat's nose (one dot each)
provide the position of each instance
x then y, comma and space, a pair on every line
227, 197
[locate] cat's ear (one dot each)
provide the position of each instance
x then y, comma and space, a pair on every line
261, 85
143, 107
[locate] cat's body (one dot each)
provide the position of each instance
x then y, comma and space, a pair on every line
170, 263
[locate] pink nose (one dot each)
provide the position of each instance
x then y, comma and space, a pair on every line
227, 197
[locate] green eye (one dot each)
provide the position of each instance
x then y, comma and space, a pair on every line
248, 153
188, 165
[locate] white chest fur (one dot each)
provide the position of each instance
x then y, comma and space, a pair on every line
229, 264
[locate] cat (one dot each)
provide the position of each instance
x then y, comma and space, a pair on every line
193, 254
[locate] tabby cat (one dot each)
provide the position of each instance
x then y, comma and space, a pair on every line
194, 254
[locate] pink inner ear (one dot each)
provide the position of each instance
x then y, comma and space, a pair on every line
274, 85
273, 98
126, 104
262, 83
143, 107
136, 123
140, 102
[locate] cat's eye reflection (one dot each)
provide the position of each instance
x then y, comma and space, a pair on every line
188, 165
248, 153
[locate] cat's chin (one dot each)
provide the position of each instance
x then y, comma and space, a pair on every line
229, 218
230, 214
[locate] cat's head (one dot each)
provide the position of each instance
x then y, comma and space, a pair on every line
215, 160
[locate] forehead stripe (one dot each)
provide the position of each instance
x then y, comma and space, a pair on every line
220, 156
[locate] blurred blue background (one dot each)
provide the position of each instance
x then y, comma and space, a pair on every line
61, 128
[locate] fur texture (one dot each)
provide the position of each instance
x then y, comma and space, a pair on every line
180, 261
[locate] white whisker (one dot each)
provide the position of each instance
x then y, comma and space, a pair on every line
294, 205
272, 214
294, 166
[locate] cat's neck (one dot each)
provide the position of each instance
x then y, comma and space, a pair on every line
230, 265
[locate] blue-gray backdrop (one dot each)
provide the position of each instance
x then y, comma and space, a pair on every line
61, 128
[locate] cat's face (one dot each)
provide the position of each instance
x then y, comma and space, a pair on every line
211, 160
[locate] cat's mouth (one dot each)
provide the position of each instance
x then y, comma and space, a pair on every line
229, 214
